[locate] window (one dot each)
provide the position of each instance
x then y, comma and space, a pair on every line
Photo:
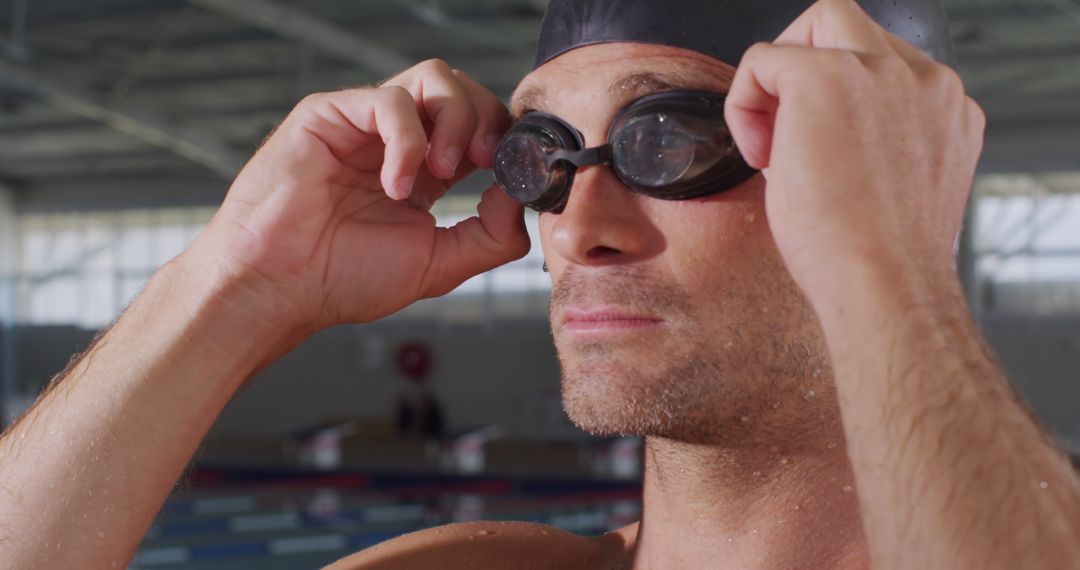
1028, 244
83, 269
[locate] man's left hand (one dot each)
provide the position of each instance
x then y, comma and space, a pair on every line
868, 146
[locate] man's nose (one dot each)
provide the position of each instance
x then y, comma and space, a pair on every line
604, 222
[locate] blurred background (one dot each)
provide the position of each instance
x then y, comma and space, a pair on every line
123, 121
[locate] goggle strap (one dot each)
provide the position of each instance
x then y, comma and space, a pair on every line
581, 158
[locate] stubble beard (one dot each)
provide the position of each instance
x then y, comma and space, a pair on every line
730, 374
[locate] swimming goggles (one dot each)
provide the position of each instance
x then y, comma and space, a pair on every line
670, 146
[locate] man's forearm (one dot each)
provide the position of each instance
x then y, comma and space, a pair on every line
952, 470
84, 472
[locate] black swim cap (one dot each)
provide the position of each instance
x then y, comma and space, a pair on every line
723, 29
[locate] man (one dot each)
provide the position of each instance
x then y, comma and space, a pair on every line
795, 349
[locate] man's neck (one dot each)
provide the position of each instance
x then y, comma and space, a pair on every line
706, 507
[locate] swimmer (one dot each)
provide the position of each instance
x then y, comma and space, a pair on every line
749, 211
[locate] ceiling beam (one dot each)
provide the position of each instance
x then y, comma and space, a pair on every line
1031, 148
143, 125
491, 37
1068, 8
125, 192
1023, 55
302, 27
987, 83
86, 167
1024, 184
80, 193
985, 11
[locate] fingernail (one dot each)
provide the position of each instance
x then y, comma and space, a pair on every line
405, 185
450, 159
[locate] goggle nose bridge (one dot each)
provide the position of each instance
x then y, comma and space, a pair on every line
581, 158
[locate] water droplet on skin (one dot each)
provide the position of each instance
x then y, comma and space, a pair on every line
757, 473
728, 345
811, 394
847, 489
750, 218
832, 445
744, 419
1043, 484
776, 405
485, 533
472, 538
544, 532
796, 507
817, 373
784, 461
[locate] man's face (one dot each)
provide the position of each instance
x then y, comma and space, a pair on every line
671, 318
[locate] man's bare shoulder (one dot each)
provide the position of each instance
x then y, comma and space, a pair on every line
495, 545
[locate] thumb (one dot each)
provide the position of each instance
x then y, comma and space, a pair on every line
494, 237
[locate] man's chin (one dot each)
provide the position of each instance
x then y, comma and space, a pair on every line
644, 392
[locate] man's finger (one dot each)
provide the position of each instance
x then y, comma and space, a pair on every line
442, 100
427, 190
345, 119
837, 24
494, 121
405, 139
765, 72
495, 237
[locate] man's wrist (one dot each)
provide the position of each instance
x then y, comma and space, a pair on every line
874, 296
233, 307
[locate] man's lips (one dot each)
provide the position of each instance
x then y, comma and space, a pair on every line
600, 319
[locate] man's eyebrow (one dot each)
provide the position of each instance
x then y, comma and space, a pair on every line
527, 100
627, 87
641, 83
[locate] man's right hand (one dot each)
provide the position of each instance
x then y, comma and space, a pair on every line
329, 222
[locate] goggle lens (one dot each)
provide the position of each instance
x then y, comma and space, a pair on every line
653, 151
522, 166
